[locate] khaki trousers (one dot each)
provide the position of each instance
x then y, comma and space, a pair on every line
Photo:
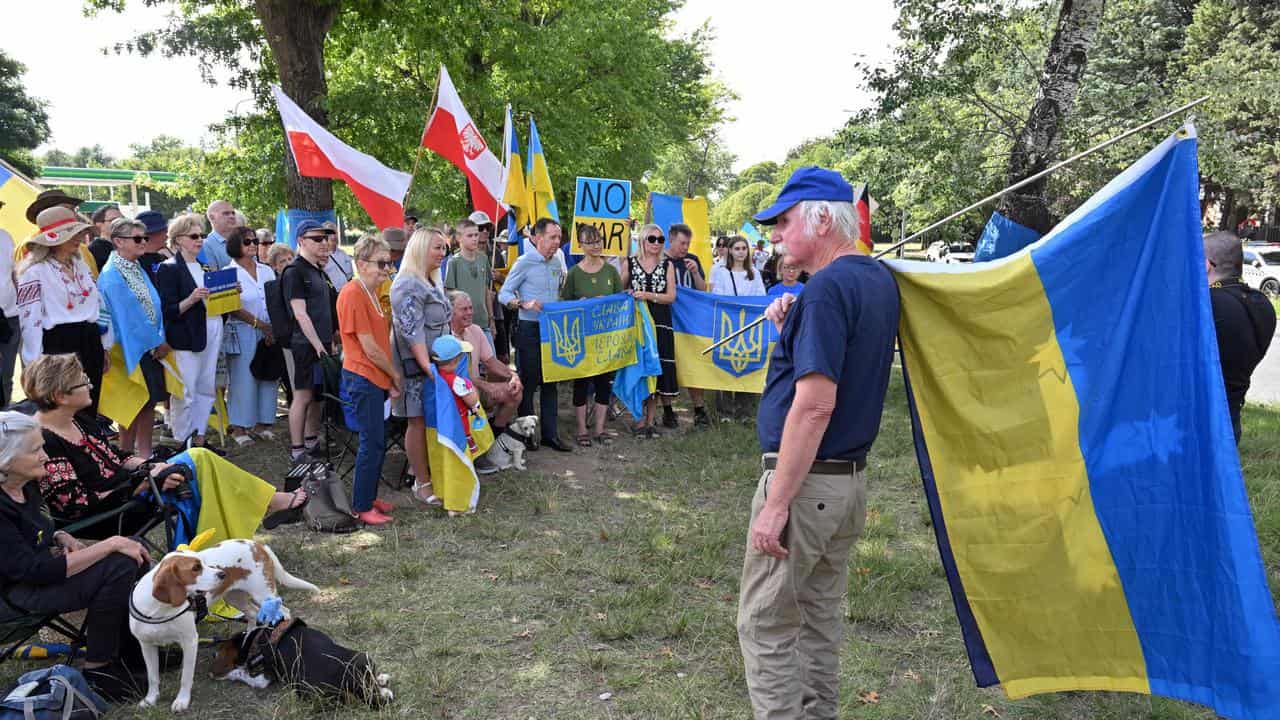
790, 624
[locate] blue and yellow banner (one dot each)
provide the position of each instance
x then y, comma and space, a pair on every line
538, 180
584, 338
667, 210
16, 194
700, 319
1072, 431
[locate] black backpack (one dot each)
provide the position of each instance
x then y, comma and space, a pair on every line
278, 309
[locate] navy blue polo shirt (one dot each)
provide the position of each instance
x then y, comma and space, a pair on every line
842, 326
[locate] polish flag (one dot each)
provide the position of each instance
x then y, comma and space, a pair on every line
453, 136
318, 153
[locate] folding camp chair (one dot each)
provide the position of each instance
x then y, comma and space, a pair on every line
340, 441
18, 625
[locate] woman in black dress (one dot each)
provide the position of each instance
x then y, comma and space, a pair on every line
651, 277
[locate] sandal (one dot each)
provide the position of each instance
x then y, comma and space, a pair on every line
430, 500
584, 440
291, 514
642, 431
242, 439
603, 440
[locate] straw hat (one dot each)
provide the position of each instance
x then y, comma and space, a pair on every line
58, 225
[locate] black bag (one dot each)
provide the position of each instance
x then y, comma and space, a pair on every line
278, 310
268, 362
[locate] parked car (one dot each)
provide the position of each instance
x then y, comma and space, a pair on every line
944, 252
1262, 269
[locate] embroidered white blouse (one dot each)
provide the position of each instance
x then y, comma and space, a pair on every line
49, 296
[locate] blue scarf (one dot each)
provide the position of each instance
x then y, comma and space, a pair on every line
135, 332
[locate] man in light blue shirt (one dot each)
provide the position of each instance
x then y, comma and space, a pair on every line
222, 220
534, 280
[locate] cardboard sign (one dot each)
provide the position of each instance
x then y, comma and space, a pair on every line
224, 292
606, 204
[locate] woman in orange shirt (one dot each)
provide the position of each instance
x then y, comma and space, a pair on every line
368, 374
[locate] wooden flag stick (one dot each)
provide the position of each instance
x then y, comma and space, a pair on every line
435, 97
988, 199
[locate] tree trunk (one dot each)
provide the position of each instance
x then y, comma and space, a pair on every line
295, 31
1226, 218
1037, 143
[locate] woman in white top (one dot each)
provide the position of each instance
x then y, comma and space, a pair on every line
194, 335
59, 307
737, 276
251, 403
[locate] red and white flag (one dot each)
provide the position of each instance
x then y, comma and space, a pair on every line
453, 136
864, 205
318, 153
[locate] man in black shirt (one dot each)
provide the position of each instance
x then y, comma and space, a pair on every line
157, 241
1244, 319
308, 293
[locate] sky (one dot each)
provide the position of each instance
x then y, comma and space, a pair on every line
792, 71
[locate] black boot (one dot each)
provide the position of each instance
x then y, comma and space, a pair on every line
669, 417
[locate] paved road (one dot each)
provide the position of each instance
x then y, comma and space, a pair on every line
1265, 385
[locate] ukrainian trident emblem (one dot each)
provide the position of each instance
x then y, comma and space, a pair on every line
745, 353
566, 337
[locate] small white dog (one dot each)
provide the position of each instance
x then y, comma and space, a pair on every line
162, 607
508, 448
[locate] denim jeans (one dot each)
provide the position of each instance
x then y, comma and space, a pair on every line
369, 400
529, 366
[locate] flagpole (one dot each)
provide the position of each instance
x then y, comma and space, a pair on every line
1042, 173
435, 97
989, 198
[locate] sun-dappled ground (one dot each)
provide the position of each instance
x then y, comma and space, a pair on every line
613, 572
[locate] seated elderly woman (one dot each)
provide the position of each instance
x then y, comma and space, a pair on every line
43, 570
86, 475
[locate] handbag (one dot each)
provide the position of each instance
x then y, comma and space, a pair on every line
53, 693
268, 362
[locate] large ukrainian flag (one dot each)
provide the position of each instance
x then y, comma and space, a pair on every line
16, 193
1072, 430
700, 319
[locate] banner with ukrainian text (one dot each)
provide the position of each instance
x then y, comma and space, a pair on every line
1073, 436
584, 338
700, 319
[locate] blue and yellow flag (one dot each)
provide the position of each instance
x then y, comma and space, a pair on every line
1072, 431
539, 179
584, 338
667, 210
700, 319
516, 194
636, 382
124, 391
451, 446
17, 194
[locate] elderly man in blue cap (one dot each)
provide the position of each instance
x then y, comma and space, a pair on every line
819, 414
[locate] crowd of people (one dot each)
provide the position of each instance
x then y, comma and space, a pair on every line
407, 303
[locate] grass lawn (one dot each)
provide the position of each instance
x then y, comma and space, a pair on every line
615, 570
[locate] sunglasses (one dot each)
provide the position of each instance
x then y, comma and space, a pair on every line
654, 239
382, 264
316, 238
136, 238
194, 236
254, 241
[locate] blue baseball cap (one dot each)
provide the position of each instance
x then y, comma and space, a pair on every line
807, 183
306, 226
154, 221
448, 347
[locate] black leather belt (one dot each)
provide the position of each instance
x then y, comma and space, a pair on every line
821, 467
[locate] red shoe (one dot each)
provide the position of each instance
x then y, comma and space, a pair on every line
383, 506
373, 517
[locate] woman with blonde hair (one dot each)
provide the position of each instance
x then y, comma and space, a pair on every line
59, 307
650, 276
420, 313
194, 336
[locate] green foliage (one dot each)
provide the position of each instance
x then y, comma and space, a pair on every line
736, 207
613, 93
24, 121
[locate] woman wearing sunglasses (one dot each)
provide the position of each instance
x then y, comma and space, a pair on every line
191, 332
58, 301
651, 276
251, 403
133, 305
